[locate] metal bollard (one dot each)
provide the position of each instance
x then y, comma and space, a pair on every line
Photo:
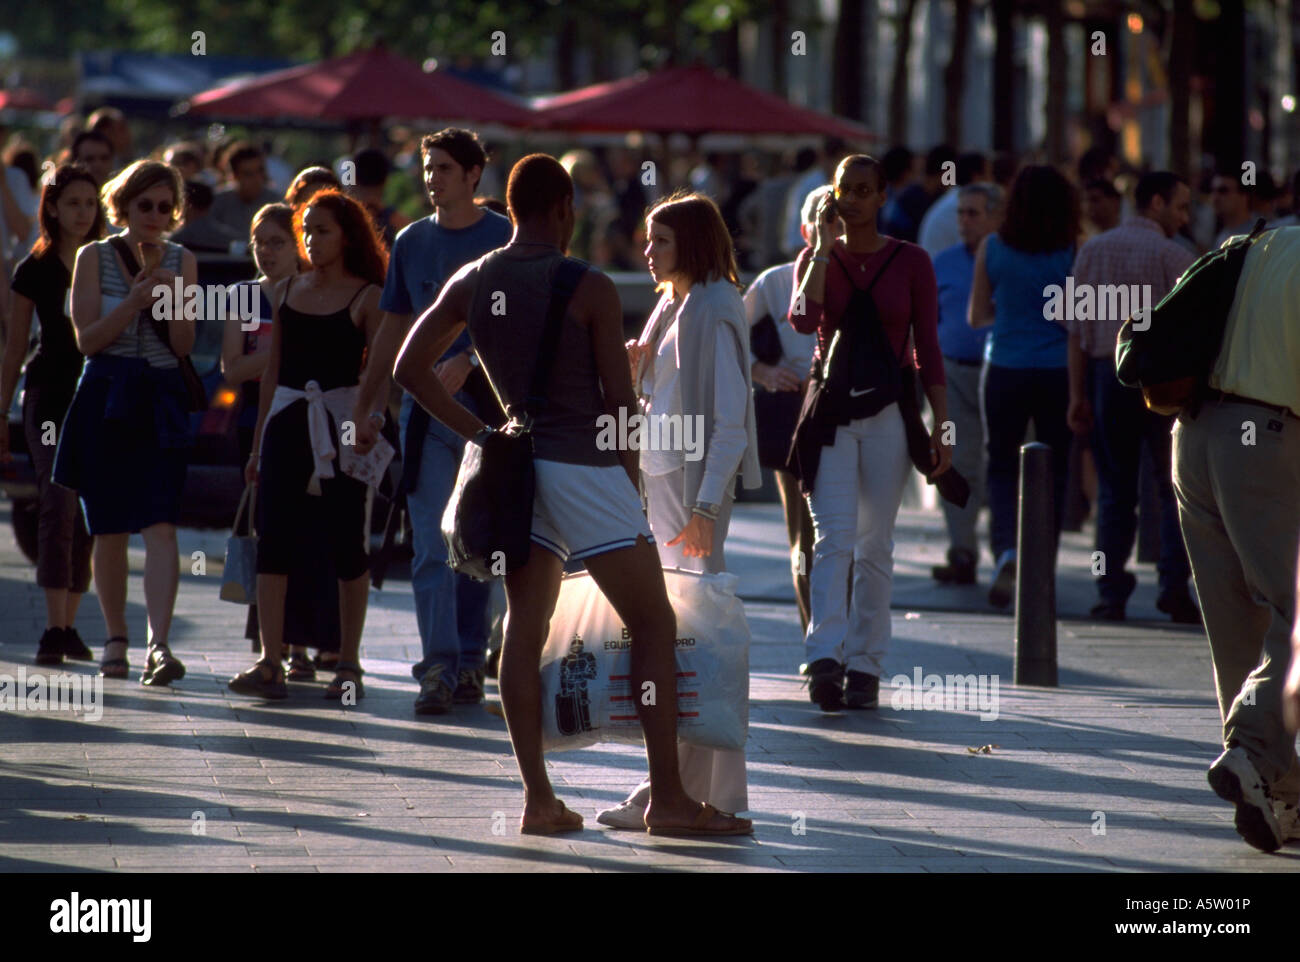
1036, 570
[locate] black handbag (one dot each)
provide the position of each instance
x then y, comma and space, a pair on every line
196, 395
487, 524
775, 412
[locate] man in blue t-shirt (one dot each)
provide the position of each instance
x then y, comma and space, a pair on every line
979, 208
450, 609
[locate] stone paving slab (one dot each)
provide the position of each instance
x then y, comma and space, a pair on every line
307, 786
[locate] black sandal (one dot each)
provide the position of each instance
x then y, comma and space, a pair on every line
301, 668
115, 667
339, 686
253, 681
161, 667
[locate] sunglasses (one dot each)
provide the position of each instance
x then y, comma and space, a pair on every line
146, 207
862, 190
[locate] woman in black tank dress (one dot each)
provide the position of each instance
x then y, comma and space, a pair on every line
308, 473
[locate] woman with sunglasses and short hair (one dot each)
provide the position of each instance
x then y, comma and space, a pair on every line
858, 484
122, 447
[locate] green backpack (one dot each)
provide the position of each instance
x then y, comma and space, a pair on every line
1170, 357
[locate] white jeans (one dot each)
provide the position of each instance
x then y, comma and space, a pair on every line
854, 504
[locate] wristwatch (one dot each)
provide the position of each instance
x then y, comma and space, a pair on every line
707, 510
378, 416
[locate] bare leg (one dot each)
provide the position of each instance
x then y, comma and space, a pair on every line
353, 598
70, 607
56, 604
798, 532
271, 590
161, 579
109, 569
530, 601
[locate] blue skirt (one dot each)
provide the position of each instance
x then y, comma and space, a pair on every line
123, 445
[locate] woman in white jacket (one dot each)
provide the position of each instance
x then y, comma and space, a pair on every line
691, 369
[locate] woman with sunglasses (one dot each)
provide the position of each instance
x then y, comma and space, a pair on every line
858, 485
70, 214
122, 444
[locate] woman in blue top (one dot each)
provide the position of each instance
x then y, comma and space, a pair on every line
1025, 373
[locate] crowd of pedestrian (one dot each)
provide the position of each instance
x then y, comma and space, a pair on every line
900, 279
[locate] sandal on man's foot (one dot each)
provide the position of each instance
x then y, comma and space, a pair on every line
161, 667
301, 668
340, 687
262, 680
115, 667
707, 821
565, 820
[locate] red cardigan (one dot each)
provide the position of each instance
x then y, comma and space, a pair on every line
906, 297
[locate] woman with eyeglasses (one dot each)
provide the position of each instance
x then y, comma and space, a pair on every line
310, 478
862, 281
311, 603
122, 447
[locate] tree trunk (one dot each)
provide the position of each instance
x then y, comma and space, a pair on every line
898, 88
730, 44
1182, 38
1057, 79
1228, 130
846, 71
780, 46
954, 75
1004, 75
566, 49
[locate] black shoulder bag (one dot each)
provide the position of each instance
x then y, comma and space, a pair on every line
487, 525
858, 377
196, 396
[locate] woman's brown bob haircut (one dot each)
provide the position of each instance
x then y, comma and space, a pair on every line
704, 249
119, 193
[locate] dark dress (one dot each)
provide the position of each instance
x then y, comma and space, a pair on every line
311, 603
327, 349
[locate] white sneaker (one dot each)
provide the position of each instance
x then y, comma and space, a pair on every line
1288, 819
1235, 779
625, 815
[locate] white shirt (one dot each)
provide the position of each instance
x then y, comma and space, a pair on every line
939, 225
770, 293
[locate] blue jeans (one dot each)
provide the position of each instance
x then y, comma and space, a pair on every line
450, 609
1122, 422
1012, 396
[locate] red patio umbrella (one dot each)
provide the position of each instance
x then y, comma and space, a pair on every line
20, 98
368, 85
688, 100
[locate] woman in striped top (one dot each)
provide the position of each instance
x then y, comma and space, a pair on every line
122, 444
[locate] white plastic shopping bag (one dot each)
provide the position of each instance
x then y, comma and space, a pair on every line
587, 691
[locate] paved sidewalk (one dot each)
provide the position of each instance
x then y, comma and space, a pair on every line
305, 786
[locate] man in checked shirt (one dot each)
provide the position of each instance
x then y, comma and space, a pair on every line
1137, 253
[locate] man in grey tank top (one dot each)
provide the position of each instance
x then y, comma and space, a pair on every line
586, 506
